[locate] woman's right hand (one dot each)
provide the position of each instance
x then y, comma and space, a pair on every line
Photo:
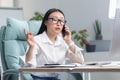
29, 38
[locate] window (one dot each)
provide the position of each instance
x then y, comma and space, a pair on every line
6, 3
9, 3
113, 5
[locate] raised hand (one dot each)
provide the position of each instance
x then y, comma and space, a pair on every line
29, 38
68, 39
67, 36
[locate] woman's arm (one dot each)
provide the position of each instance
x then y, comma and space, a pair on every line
72, 46
31, 42
29, 54
76, 57
68, 39
74, 52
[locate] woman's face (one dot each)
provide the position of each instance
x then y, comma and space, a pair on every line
55, 23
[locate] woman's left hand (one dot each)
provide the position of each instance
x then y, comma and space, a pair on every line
67, 36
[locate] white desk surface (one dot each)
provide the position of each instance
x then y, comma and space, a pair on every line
89, 68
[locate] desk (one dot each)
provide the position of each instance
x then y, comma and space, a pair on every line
76, 69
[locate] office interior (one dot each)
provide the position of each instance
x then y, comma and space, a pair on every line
80, 14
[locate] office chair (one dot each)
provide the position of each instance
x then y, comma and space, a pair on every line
13, 45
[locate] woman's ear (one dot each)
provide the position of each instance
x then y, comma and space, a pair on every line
45, 23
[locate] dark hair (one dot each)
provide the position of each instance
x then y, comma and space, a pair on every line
43, 26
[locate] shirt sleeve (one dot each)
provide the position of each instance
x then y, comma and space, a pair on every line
32, 62
77, 56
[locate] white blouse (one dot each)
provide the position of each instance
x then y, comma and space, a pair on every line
47, 52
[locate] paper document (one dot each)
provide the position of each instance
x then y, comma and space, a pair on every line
112, 64
104, 63
99, 63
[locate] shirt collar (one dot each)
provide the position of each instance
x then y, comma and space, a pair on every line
45, 39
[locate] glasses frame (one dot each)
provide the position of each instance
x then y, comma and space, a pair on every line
55, 21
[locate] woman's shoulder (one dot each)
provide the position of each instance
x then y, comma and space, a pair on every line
37, 36
40, 36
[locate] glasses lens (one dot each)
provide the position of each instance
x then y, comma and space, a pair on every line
55, 20
62, 22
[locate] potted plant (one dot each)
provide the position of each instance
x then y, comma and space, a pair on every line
81, 36
98, 30
37, 16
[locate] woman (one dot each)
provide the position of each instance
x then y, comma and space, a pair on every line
49, 46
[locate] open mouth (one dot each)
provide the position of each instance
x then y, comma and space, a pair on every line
57, 29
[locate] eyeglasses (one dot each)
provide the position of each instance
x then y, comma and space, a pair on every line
62, 22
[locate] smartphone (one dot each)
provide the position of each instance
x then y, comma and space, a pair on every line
63, 31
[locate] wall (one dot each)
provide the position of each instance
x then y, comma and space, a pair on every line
10, 12
6, 3
79, 13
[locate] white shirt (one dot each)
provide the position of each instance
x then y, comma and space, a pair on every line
47, 52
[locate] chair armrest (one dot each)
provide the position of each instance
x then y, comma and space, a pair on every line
8, 73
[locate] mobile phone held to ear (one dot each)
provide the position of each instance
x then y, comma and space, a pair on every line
63, 31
